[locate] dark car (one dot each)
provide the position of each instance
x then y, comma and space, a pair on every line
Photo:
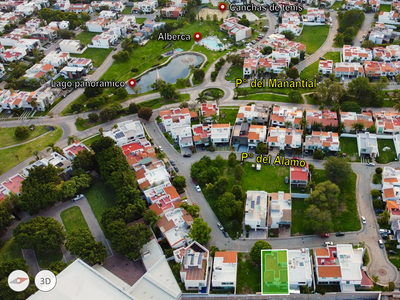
172, 162
203, 148
322, 58
225, 234
379, 211
392, 252
176, 169
187, 155
339, 233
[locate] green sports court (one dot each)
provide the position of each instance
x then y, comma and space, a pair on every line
274, 272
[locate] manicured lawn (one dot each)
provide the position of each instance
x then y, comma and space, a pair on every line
313, 37
388, 155
10, 250
311, 100
229, 115
385, 7
8, 138
345, 220
100, 197
73, 219
96, 55
46, 258
140, 20
85, 124
159, 102
268, 97
349, 146
149, 55
338, 4
86, 37
90, 141
248, 275
221, 92
127, 11
312, 70
13, 156
233, 73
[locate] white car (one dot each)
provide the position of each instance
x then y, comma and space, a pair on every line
363, 220
328, 243
370, 164
160, 148
198, 189
77, 197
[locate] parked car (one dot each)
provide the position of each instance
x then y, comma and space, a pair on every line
184, 201
325, 235
198, 189
384, 231
187, 155
160, 148
384, 236
115, 49
370, 164
172, 162
176, 169
340, 234
77, 197
220, 226
380, 243
328, 243
392, 252
287, 180
379, 211
322, 58
363, 220
194, 181
225, 234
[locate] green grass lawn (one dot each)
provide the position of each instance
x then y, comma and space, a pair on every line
312, 70
149, 55
349, 146
8, 138
347, 217
282, 91
46, 258
268, 97
11, 157
73, 219
385, 7
10, 250
338, 4
230, 115
127, 11
388, 155
159, 102
86, 37
90, 141
96, 55
140, 20
85, 124
313, 37
100, 197
274, 276
233, 73
248, 275
319, 176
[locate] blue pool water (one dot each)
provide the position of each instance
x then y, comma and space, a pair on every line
212, 43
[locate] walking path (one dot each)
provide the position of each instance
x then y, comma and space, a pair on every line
23, 143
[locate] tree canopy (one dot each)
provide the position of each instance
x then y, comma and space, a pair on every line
337, 169
200, 231
255, 252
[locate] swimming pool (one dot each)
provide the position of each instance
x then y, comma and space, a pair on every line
212, 43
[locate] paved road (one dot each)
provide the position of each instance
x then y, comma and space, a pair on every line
369, 19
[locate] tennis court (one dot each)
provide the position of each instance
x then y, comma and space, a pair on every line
275, 278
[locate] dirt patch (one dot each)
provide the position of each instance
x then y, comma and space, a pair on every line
208, 11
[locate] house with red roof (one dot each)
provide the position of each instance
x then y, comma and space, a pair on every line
252, 113
324, 117
349, 69
349, 118
355, 53
341, 264
38, 71
175, 226
162, 198
281, 115
284, 138
250, 66
141, 153
325, 67
224, 271
387, 122
176, 117
97, 25
72, 150
209, 110
12, 185
201, 134
325, 141
299, 176
391, 17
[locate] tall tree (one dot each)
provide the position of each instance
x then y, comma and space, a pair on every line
325, 196
40, 233
84, 160
200, 231
5, 218
229, 207
317, 220
337, 169
255, 252
357, 126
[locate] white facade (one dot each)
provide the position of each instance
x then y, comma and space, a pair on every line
389, 17
224, 270
280, 209
367, 144
56, 58
300, 269
72, 46
220, 133
126, 132
283, 138
175, 117
326, 141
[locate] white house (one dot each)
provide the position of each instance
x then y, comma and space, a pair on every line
252, 113
280, 210
283, 138
182, 134
105, 39
81, 62
56, 58
391, 17
194, 272
233, 28
255, 212
349, 69
325, 67
224, 271
97, 25
145, 7
325, 141
126, 132
176, 117
13, 184
72, 46
257, 134
220, 133
300, 269
367, 144
355, 53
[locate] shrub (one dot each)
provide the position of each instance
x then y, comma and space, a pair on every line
375, 193
378, 170
318, 154
22, 132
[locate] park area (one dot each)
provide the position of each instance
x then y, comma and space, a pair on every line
275, 277
313, 37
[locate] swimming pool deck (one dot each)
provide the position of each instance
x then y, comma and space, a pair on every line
274, 272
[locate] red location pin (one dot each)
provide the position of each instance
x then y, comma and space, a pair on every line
132, 83
222, 7
197, 36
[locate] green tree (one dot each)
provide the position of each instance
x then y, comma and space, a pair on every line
84, 160
179, 182
229, 207
133, 108
121, 93
93, 92
93, 117
293, 73
378, 204
384, 218
11, 202
232, 160
5, 218
337, 169
351, 106
145, 113
72, 139
40, 189
198, 75
318, 154
219, 160
317, 220
82, 244
294, 96
77, 107
22, 132
151, 218
107, 114
193, 210
213, 249
57, 267
41, 234
288, 34
169, 92
85, 16
358, 126
221, 185
255, 252
200, 231
237, 192
201, 98
325, 196
261, 148
238, 171
372, 128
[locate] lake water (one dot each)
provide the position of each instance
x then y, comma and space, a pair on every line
178, 67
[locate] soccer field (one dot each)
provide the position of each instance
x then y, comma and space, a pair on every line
275, 278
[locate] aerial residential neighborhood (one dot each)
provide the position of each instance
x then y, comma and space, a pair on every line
146, 151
